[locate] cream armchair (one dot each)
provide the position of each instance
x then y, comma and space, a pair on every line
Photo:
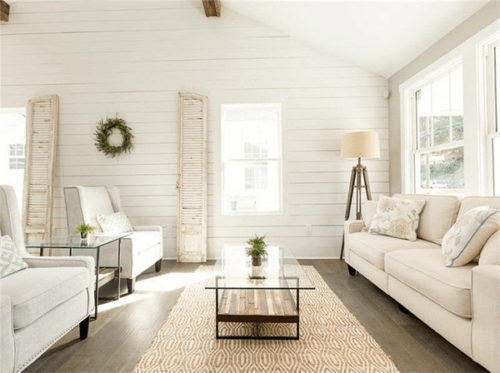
39, 304
141, 250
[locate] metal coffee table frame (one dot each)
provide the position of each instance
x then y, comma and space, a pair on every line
274, 298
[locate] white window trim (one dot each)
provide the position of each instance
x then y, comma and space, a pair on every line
485, 52
476, 147
279, 160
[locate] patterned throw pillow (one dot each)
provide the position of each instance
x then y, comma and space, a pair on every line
397, 217
10, 261
465, 240
115, 223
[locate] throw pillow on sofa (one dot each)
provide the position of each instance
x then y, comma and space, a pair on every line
397, 217
10, 261
115, 223
465, 240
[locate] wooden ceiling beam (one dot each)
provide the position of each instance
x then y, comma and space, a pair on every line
212, 8
4, 11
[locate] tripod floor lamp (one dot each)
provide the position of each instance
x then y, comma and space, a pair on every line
362, 144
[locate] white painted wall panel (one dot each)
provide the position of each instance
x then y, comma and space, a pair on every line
132, 58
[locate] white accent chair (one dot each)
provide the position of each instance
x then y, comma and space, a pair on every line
140, 251
460, 303
39, 304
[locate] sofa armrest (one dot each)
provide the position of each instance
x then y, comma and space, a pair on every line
353, 226
7, 346
63, 261
486, 316
148, 228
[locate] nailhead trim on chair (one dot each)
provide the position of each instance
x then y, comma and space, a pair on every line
50, 345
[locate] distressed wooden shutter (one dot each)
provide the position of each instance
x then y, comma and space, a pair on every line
41, 137
192, 179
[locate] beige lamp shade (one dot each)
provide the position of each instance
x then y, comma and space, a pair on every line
362, 144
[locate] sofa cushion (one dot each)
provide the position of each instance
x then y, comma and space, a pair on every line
36, 291
437, 217
491, 251
468, 203
425, 272
372, 247
370, 209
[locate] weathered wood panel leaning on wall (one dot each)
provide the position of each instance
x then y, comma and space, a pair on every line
192, 181
41, 138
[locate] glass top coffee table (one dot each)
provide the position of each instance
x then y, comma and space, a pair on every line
247, 294
92, 243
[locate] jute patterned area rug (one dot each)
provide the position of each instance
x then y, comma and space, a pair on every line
331, 339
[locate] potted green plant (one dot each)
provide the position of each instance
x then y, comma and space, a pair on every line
84, 230
256, 250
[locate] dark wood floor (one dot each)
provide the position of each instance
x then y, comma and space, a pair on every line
125, 328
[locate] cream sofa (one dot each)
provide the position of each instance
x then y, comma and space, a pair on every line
39, 304
462, 303
139, 251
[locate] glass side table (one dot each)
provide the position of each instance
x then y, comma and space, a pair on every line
103, 274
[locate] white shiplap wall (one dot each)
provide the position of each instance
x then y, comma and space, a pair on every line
132, 58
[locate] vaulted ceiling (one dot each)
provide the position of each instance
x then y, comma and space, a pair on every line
381, 36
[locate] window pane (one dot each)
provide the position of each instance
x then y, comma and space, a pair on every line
251, 158
251, 186
442, 169
423, 117
251, 132
441, 130
457, 105
496, 165
440, 126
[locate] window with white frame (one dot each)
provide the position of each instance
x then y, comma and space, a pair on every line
16, 156
251, 158
438, 134
493, 111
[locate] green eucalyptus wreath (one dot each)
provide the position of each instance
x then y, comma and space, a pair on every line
105, 129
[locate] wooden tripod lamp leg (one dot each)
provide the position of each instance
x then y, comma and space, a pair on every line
367, 184
352, 183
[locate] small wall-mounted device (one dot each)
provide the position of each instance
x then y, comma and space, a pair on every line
386, 94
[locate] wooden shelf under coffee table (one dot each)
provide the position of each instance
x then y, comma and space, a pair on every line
273, 299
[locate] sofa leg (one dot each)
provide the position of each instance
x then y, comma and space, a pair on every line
351, 270
158, 265
404, 309
131, 285
84, 328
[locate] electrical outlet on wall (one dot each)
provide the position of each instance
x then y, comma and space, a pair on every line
169, 230
309, 230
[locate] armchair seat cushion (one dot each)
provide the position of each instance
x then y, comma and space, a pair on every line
425, 272
374, 247
36, 291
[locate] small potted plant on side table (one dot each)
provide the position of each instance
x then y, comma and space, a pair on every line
256, 251
84, 230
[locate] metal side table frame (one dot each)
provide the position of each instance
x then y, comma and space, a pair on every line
70, 246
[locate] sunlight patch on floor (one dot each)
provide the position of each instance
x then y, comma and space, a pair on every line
145, 288
170, 281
